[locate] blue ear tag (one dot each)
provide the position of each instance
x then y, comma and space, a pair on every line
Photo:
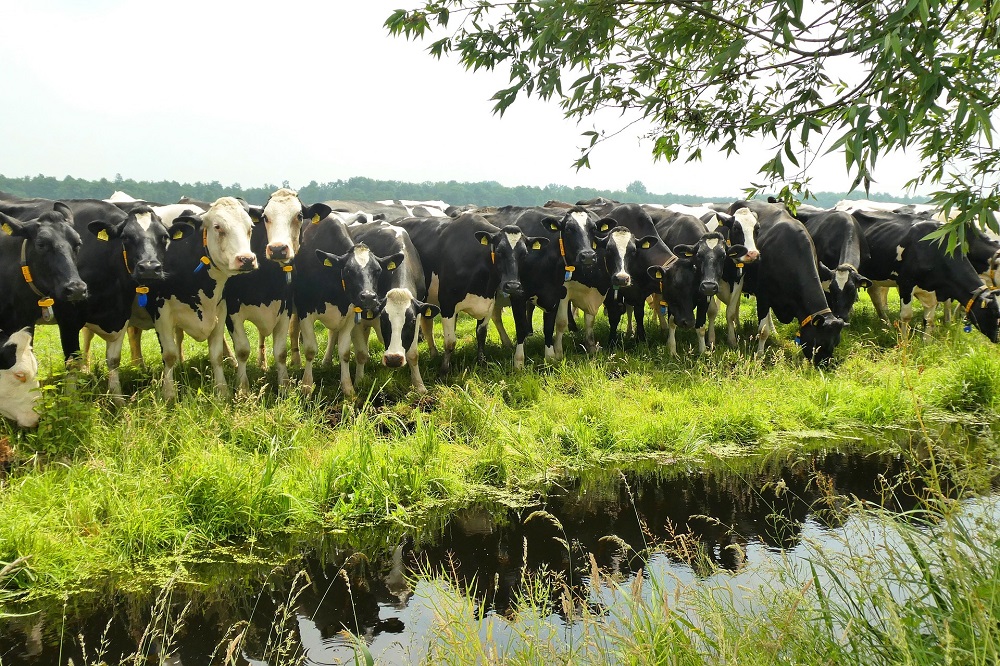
663, 310
568, 276
967, 328
142, 300
616, 293
204, 262
798, 341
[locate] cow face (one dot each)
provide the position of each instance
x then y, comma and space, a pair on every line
983, 312
18, 379
144, 242
282, 217
226, 227
508, 248
399, 322
619, 249
820, 337
678, 285
841, 287
579, 238
360, 271
744, 229
709, 255
51, 250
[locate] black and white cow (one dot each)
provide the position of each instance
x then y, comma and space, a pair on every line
337, 284
198, 265
264, 297
839, 242
900, 256
466, 261
786, 279
404, 312
38, 270
18, 378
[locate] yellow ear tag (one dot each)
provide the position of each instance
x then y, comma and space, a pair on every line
536, 246
391, 266
645, 245
428, 312
102, 235
659, 275
554, 227
327, 262
315, 219
484, 241
689, 254
177, 235
594, 245
739, 265
604, 227
7, 230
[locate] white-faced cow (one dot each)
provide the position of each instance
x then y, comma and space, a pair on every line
190, 299
18, 378
466, 262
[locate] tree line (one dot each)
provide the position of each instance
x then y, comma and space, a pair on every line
484, 193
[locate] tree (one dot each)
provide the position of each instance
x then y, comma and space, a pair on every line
854, 76
636, 188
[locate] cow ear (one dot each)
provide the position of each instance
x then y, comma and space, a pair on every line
484, 237
392, 263
14, 227
555, 224
180, 229
825, 274
656, 272
194, 219
104, 230
256, 214
605, 225
331, 260
863, 282
647, 242
536, 242
428, 310
8, 355
64, 210
736, 250
316, 212
684, 250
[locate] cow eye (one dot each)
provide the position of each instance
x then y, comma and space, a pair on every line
264, 219
217, 227
299, 217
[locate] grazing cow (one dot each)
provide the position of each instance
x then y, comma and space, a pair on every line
18, 378
404, 312
705, 254
901, 257
337, 284
466, 261
191, 298
38, 252
839, 242
264, 297
787, 280
419, 208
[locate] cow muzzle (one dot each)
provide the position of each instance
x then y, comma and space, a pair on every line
75, 291
246, 262
752, 255
368, 300
512, 287
393, 360
278, 252
709, 288
149, 270
621, 280
588, 258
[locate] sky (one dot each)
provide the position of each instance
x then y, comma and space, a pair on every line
264, 92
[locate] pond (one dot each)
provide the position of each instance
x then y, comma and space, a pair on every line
723, 521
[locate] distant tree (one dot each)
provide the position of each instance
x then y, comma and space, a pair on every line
636, 188
858, 77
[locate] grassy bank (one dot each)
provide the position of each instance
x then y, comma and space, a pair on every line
99, 489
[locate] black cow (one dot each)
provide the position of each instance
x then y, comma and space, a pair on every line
404, 312
787, 280
901, 257
466, 261
839, 242
336, 283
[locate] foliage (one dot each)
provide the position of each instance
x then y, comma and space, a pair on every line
859, 77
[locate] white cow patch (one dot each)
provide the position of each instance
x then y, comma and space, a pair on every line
711, 243
434, 289
513, 239
232, 238
621, 240
362, 254
747, 220
282, 213
19, 383
397, 301
841, 277
586, 298
713, 224
899, 252
144, 220
581, 219
477, 306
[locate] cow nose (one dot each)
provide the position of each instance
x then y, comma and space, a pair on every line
76, 291
588, 257
621, 280
247, 262
685, 322
393, 360
512, 287
709, 288
149, 268
368, 298
752, 255
277, 251
21, 376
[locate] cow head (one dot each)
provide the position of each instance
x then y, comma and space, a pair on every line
709, 255
992, 274
743, 230
51, 250
841, 287
619, 249
360, 271
225, 227
508, 247
578, 235
678, 284
18, 378
283, 216
144, 241
819, 336
398, 320
983, 312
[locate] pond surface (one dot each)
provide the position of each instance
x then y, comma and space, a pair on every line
727, 518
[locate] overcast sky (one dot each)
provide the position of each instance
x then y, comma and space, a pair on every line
299, 90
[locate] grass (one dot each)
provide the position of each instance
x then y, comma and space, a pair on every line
99, 490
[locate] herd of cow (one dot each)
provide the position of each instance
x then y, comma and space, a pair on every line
115, 267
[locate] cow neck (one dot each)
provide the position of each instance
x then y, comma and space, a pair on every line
663, 297
566, 265
140, 290
206, 256
976, 294
44, 302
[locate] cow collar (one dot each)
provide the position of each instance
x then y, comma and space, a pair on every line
992, 262
44, 302
663, 299
808, 320
206, 256
140, 290
562, 252
976, 294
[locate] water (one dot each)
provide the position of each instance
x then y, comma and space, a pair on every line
732, 517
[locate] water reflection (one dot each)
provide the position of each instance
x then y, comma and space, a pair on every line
707, 518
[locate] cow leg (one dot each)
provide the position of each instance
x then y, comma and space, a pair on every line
661, 316
878, 294
928, 299
179, 337
497, 317
241, 343
640, 323
331, 343
548, 328
114, 359
765, 326
522, 329
309, 349
560, 324
261, 351
671, 337
733, 313
360, 336
450, 340
87, 336
135, 346
413, 358
293, 335
427, 330
482, 327
344, 352
613, 310
628, 320
713, 312
700, 325
216, 354
588, 333
170, 353
280, 342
